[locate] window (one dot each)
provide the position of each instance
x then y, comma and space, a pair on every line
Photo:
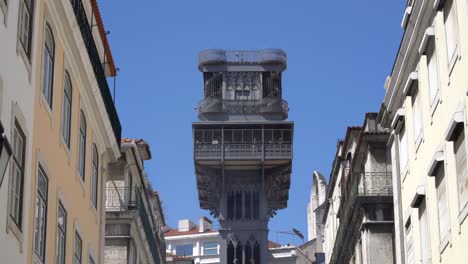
243, 205
41, 215
424, 234
66, 109
210, 248
25, 25
95, 175
461, 167
451, 34
91, 260
409, 244
61, 234
184, 250
442, 204
403, 151
82, 147
417, 115
48, 66
17, 175
78, 249
433, 72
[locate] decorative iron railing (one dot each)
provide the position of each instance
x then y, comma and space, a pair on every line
206, 151
375, 184
213, 56
98, 68
267, 105
120, 199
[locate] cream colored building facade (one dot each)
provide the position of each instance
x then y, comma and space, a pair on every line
17, 74
63, 128
426, 108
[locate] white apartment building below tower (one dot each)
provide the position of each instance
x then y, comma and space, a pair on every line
202, 245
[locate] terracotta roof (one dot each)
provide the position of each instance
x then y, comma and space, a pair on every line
272, 244
102, 33
193, 231
131, 140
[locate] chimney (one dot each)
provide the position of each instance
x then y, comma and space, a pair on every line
185, 225
205, 224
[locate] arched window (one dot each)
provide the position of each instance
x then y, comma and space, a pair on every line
230, 253
66, 109
239, 250
248, 253
256, 253
82, 146
95, 176
48, 65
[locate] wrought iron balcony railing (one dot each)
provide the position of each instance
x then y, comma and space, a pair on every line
266, 105
375, 184
98, 68
121, 199
206, 151
218, 56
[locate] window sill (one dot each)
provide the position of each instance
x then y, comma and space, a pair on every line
444, 243
4, 9
66, 149
462, 215
452, 64
405, 173
81, 181
418, 144
11, 226
27, 61
46, 106
434, 106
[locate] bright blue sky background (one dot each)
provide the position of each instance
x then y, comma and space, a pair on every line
339, 54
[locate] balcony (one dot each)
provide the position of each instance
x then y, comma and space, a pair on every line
264, 56
263, 106
98, 69
375, 184
243, 144
129, 201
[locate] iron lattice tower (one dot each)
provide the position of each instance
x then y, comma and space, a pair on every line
243, 148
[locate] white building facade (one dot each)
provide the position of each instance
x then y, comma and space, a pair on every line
17, 92
426, 109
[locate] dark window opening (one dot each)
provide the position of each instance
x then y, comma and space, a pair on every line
256, 205
239, 250
248, 253
230, 253
238, 205
248, 205
230, 205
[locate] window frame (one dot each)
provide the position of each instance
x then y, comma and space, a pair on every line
423, 213
82, 134
66, 119
451, 58
409, 238
461, 136
95, 177
41, 197
17, 131
403, 138
431, 55
443, 238
48, 92
417, 104
183, 245
61, 231
205, 248
27, 47
77, 257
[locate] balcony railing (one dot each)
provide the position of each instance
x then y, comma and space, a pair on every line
266, 105
98, 69
218, 56
375, 184
243, 151
121, 199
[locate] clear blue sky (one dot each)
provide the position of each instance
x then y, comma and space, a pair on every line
339, 54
